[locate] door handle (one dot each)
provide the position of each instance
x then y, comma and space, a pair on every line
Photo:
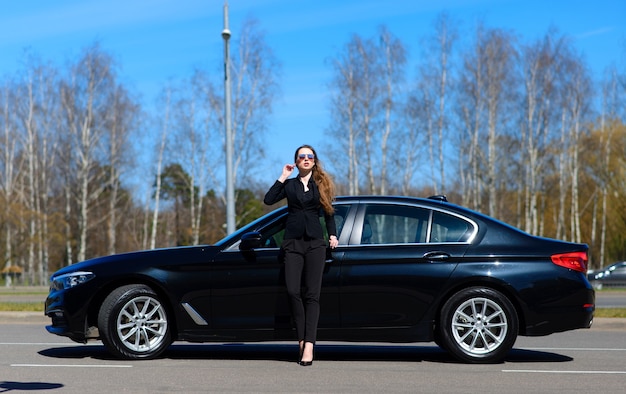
329, 256
436, 256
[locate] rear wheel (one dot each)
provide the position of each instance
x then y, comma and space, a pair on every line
478, 325
133, 323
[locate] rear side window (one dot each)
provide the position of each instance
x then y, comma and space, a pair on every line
401, 224
394, 224
448, 228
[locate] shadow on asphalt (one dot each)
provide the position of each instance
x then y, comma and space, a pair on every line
28, 386
288, 353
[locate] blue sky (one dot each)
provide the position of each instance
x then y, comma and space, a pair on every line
156, 40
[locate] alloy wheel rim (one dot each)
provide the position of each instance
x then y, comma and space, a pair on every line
142, 324
479, 326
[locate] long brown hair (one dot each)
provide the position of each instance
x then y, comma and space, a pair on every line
323, 181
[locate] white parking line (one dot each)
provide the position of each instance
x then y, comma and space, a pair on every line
566, 372
592, 349
71, 365
47, 344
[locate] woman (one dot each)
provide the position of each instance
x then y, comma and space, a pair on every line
303, 242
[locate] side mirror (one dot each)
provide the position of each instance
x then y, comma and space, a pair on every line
250, 241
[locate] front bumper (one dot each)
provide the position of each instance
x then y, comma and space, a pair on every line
67, 310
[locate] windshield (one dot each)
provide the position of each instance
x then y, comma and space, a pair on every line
248, 228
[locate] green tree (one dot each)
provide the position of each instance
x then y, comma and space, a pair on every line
175, 186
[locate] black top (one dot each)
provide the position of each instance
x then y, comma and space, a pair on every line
303, 207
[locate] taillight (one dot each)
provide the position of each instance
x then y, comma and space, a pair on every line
576, 261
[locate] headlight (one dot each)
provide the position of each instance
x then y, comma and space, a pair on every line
67, 281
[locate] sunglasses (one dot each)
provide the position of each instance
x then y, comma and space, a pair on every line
309, 156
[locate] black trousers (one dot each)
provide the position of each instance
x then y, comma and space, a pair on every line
304, 268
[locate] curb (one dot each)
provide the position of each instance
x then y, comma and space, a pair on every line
14, 317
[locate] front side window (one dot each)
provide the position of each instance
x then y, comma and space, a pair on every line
272, 236
341, 211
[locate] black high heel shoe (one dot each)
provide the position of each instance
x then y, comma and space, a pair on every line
304, 363
301, 352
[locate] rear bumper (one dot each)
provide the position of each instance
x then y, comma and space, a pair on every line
576, 312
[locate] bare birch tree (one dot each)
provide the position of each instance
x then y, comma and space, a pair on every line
165, 109
417, 128
120, 123
471, 104
359, 82
84, 97
370, 93
576, 101
27, 117
197, 140
11, 168
345, 128
500, 67
541, 63
394, 63
255, 76
435, 77
48, 146
487, 96
35, 110
613, 107
367, 100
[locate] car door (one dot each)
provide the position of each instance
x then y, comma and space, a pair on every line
398, 259
248, 288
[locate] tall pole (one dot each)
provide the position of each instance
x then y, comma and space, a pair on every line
230, 187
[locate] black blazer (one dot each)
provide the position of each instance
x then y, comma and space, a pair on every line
304, 209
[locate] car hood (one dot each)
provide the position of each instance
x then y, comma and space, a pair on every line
136, 261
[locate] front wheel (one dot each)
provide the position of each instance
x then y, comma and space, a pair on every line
133, 323
478, 325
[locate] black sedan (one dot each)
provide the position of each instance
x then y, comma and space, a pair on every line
406, 270
612, 276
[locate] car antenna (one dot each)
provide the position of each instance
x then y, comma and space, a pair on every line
439, 197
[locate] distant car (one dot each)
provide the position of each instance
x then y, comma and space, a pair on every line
613, 275
406, 270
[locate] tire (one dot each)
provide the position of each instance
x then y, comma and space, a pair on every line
133, 323
478, 325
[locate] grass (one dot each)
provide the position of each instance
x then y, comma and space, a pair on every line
21, 307
610, 312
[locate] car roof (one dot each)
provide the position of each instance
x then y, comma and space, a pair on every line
399, 199
433, 202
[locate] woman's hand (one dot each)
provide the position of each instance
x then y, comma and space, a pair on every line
287, 171
333, 242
